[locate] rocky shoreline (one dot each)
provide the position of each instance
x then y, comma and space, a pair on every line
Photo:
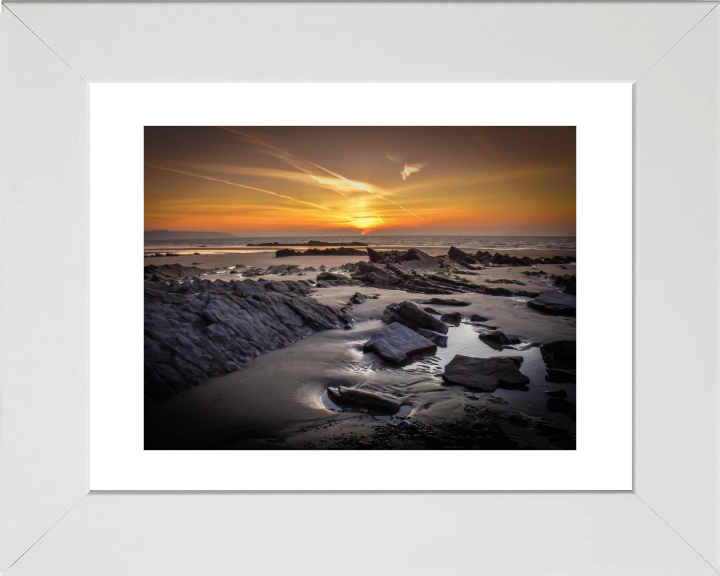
199, 329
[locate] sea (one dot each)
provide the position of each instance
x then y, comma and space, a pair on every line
477, 242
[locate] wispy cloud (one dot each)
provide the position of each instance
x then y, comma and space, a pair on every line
411, 169
236, 184
266, 146
408, 169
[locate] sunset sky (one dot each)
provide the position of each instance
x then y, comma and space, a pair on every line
304, 181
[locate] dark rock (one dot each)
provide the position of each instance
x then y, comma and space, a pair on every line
439, 339
375, 256
321, 243
453, 318
485, 374
495, 337
342, 251
358, 298
198, 329
354, 398
490, 291
446, 302
505, 281
413, 317
566, 283
461, 257
518, 420
285, 252
333, 279
556, 393
477, 318
559, 354
431, 311
395, 343
554, 303
412, 256
561, 406
169, 272
375, 274
560, 376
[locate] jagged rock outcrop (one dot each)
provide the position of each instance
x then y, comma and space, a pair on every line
200, 329
497, 259
412, 256
410, 315
325, 279
462, 258
566, 283
169, 272
342, 251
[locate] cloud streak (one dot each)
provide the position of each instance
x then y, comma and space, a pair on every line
236, 184
307, 166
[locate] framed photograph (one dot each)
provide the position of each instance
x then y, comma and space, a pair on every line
360, 287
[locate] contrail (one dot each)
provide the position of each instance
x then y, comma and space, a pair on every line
294, 160
229, 183
361, 187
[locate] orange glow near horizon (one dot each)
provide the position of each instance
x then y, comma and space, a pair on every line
361, 180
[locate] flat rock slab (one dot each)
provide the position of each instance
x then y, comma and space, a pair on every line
395, 343
354, 398
446, 302
486, 374
554, 303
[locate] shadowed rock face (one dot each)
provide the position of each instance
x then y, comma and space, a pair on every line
413, 255
486, 374
554, 303
446, 302
462, 258
497, 259
566, 283
332, 279
413, 317
396, 343
354, 398
199, 329
171, 272
560, 358
342, 251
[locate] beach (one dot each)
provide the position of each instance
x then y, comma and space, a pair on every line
281, 399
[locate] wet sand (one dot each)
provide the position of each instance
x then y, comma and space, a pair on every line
279, 399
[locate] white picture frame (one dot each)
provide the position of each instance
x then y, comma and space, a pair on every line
50, 522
